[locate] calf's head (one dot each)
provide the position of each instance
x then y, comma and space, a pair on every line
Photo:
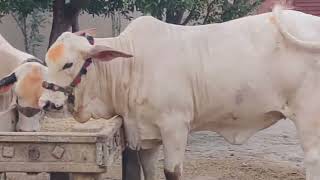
68, 60
26, 81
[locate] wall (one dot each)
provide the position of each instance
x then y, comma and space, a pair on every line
308, 6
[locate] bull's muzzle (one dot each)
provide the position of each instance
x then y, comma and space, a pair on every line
47, 106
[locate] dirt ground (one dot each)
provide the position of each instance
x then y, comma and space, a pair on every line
272, 154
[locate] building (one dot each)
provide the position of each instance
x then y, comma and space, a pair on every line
306, 6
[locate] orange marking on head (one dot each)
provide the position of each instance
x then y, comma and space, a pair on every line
272, 19
30, 87
55, 53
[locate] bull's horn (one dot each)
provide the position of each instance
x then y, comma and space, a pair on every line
8, 80
91, 31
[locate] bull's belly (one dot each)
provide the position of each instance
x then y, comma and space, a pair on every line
237, 129
236, 122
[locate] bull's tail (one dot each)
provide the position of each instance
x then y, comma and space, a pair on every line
277, 12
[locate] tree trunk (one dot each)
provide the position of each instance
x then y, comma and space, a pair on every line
65, 16
174, 16
75, 22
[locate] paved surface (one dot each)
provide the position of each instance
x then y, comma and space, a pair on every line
272, 154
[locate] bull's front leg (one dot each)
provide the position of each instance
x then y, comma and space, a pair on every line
130, 165
174, 133
148, 160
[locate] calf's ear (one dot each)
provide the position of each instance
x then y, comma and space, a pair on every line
7, 82
104, 53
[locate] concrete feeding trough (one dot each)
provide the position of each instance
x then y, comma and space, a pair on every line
85, 150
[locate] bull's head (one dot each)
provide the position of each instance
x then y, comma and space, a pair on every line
68, 59
25, 81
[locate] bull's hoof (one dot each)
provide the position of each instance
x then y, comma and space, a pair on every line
172, 175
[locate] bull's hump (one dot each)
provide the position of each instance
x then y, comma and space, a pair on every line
145, 24
144, 20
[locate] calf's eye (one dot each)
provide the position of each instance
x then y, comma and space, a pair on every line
67, 65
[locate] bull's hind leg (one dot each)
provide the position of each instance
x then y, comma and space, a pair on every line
304, 110
308, 126
174, 132
309, 133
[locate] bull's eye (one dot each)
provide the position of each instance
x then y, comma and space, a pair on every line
67, 65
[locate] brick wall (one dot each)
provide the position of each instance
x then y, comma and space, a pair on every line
308, 6
267, 5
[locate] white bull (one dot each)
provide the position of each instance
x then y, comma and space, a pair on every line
234, 78
19, 103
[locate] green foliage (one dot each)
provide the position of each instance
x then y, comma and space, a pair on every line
23, 7
172, 11
103, 7
195, 11
158, 8
35, 38
27, 14
29, 17
30, 28
239, 9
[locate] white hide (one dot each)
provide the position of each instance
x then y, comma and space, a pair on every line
234, 78
10, 59
29, 124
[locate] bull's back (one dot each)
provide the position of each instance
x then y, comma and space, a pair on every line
204, 57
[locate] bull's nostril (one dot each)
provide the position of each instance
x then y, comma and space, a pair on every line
54, 106
58, 107
46, 106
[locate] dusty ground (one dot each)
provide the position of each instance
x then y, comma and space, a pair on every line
272, 154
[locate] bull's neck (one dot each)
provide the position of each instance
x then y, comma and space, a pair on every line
111, 79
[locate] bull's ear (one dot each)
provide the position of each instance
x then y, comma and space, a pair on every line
7, 82
92, 32
104, 53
